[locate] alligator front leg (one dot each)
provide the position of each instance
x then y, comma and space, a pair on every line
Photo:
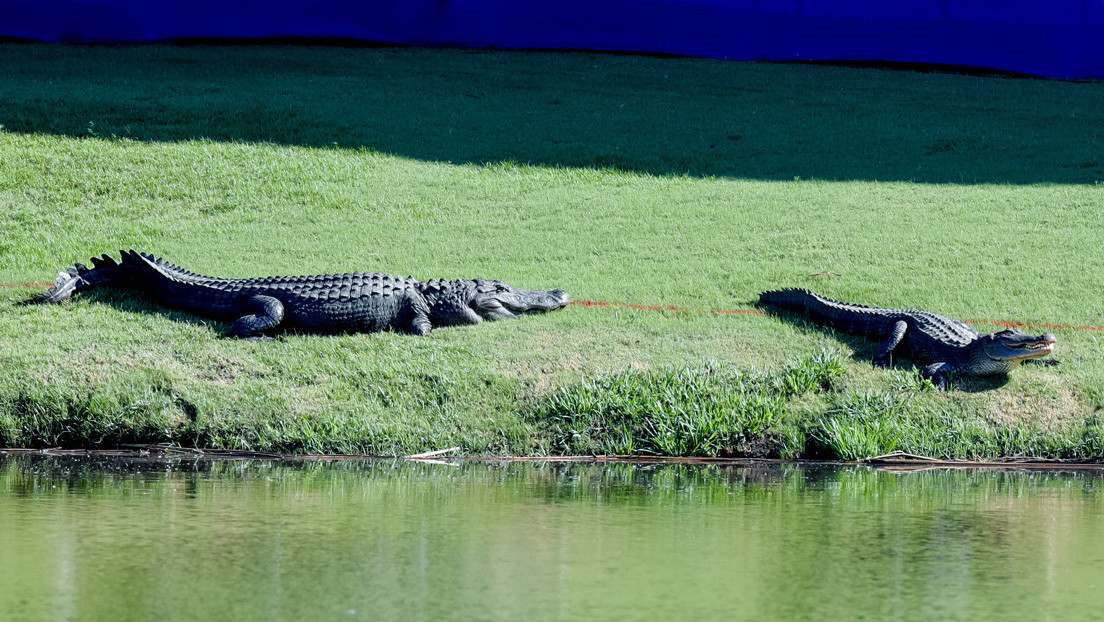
268, 312
881, 357
937, 374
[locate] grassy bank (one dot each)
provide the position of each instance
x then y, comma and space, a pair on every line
628, 179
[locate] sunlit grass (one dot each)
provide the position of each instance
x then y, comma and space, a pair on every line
976, 197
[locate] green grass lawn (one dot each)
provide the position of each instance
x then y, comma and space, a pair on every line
620, 178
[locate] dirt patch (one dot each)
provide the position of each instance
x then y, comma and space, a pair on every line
1050, 409
224, 371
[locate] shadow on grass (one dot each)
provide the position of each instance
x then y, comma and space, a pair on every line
648, 114
136, 301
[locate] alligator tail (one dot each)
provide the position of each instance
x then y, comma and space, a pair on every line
810, 304
844, 316
105, 270
789, 299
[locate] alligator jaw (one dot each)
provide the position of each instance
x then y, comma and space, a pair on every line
1016, 346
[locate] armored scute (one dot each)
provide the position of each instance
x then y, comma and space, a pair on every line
356, 302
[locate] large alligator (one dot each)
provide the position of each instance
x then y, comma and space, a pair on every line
944, 345
357, 302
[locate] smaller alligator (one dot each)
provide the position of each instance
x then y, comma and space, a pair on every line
945, 345
358, 302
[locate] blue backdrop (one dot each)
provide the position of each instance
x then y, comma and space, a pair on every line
1059, 38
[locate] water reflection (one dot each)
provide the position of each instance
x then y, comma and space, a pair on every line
133, 539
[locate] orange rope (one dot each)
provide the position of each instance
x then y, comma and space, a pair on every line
588, 303
1024, 325
592, 303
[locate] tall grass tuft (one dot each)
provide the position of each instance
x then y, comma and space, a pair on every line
694, 411
864, 424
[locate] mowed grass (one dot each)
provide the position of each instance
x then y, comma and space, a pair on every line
621, 178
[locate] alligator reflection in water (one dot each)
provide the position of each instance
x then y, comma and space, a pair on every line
264, 539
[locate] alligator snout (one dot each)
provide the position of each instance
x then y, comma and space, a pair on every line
536, 300
562, 297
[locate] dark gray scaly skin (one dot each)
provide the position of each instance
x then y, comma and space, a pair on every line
944, 345
330, 303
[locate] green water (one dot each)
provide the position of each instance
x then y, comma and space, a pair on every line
125, 540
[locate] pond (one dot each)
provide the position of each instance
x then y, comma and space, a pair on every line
129, 539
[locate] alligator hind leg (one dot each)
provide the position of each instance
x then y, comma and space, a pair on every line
420, 324
415, 314
881, 357
268, 312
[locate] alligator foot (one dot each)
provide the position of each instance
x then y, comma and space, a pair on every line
939, 382
420, 325
936, 374
268, 313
